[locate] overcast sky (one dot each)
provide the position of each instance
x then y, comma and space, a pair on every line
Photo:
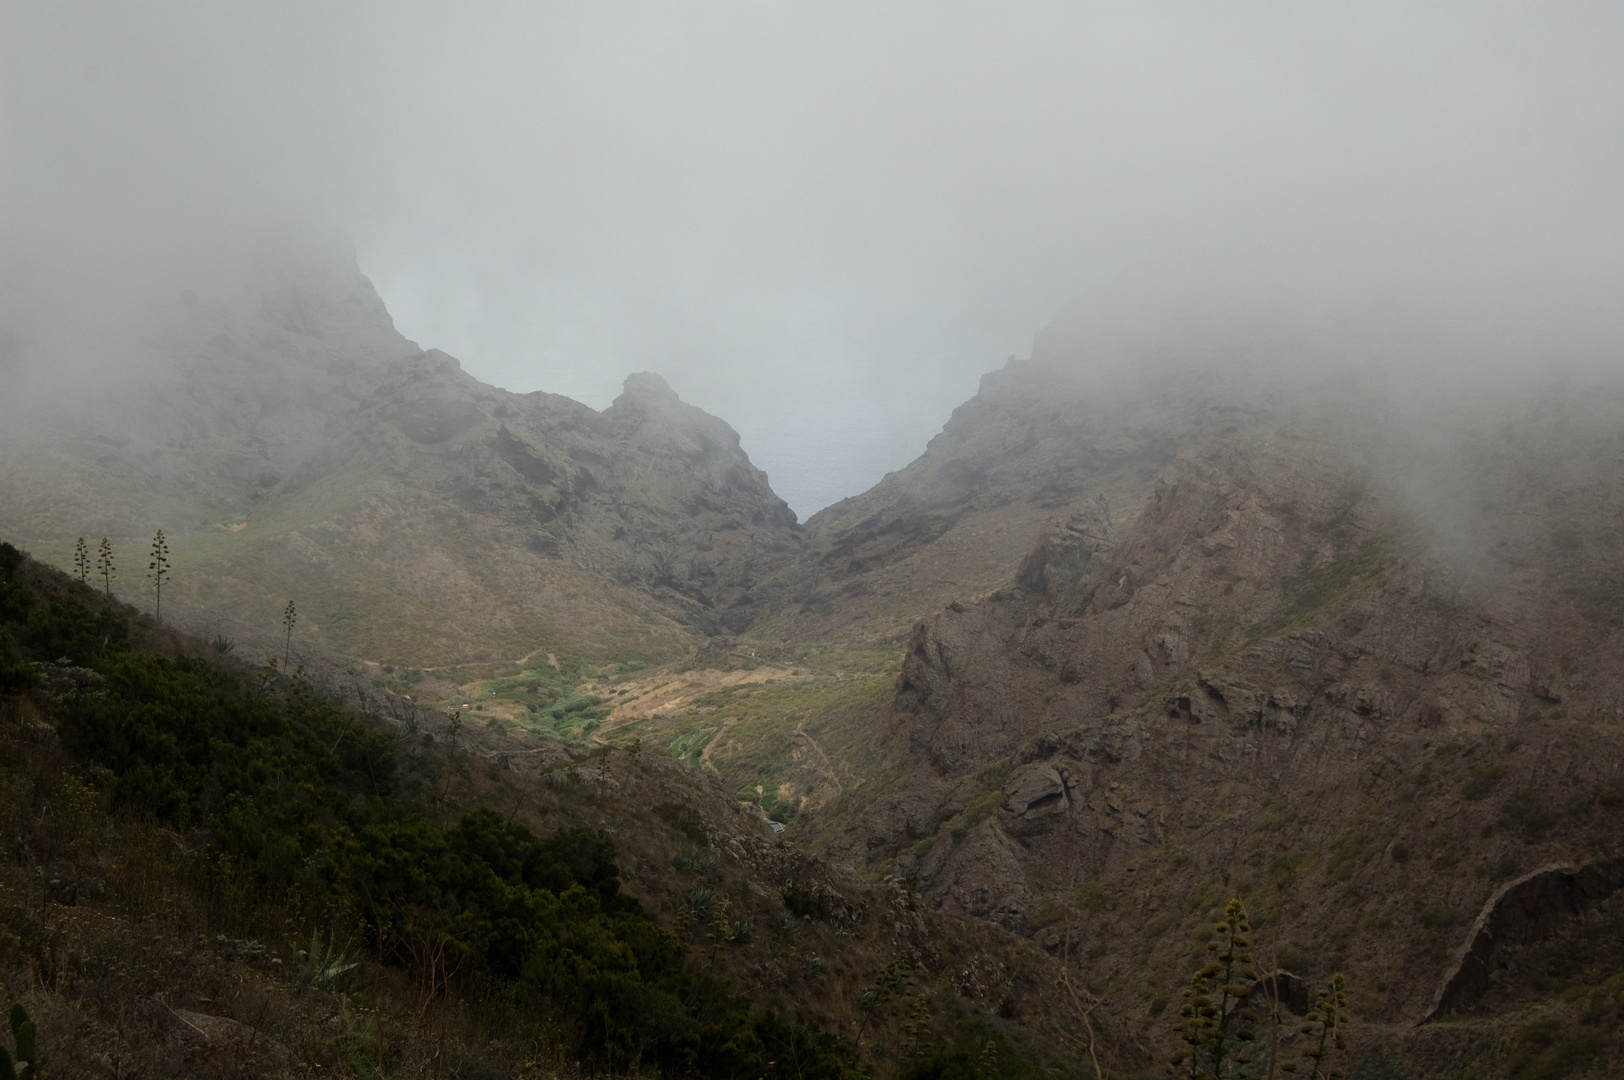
823, 222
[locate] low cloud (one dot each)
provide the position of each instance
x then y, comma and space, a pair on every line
824, 222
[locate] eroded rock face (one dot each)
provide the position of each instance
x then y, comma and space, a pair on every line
1060, 564
983, 877
1035, 791
1266, 663
1531, 908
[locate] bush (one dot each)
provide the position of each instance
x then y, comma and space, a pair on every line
1528, 814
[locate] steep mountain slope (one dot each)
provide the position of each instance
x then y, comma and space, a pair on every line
292, 444
955, 522
1358, 677
1040, 438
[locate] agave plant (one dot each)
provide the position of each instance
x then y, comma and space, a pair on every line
696, 862
322, 969
700, 900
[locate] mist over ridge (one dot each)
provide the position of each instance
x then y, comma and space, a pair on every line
824, 225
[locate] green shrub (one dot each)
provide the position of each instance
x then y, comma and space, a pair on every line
1528, 814
1482, 781
1544, 1051
26, 1065
974, 813
685, 820
1348, 852
1378, 1063
1093, 896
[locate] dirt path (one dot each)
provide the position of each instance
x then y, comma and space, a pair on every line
716, 741
828, 766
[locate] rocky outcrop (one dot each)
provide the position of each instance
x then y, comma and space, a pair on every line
652, 493
1531, 908
980, 877
1059, 565
1035, 792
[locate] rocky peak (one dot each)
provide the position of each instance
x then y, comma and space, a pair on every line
647, 389
311, 451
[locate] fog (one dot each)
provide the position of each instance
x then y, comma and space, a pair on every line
823, 222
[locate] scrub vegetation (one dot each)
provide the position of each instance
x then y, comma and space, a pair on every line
157, 795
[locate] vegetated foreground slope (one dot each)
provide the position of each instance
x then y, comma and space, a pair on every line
292, 444
217, 872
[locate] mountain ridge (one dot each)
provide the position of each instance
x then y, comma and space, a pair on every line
276, 399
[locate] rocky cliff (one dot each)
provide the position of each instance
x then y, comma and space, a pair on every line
1274, 645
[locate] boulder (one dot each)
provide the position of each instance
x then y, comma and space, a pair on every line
1036, 791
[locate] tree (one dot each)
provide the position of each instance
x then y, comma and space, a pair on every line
289, 617
157, 570
81, 560
1215, 1022
104, 565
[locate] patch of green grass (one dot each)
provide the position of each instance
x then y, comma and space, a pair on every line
1274, 822
1546, 1051
1312, 588
1528, 814
1050, 908
1205, 896
690, 744
1172, 856
1438, 917
557, 711
976, 811
767, 798
1160, 924
814, 733
1349, 851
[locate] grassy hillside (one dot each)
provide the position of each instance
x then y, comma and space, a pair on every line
217, 872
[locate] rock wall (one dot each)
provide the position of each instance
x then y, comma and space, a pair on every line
1531, 908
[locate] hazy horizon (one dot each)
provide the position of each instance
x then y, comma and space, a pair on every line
823, 224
